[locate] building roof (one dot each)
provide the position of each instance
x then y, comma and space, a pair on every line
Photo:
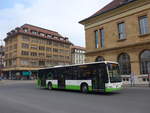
30, 30
78, 47
40, 30
111, 6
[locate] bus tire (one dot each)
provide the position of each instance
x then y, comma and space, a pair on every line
50, 86
84, 88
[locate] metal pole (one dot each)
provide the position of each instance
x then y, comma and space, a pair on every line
131, 79
10, 77
149, 79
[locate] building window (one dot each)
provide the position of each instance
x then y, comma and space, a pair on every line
15, 46
25, 53
41, 54
42, 34
34, 47
102, 37
42, 41
48, 49
66, 45
34, 32
55, 50
121, 30
34, 40
143, 24
25, 38
33, 63
42, 48
26, 46
96, 39
25, 30
145, 62
49, 42
61, 57
55, 37
48, 63
24, 62
60, 38
6, 55
41, 63
55, 43
49, 36
48, 56
99, 58
33, 54
124, 62
55, 56
61, 45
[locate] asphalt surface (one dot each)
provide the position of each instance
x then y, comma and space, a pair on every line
26, 98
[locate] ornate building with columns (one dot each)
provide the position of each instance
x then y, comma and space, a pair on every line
120, 32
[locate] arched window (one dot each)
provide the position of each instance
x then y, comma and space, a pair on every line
124, 62
99, 58
145, 62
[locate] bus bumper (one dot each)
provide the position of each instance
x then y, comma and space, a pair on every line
113, 89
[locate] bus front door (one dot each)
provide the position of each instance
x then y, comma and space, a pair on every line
98, 81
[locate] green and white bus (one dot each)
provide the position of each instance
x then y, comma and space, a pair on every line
97, 76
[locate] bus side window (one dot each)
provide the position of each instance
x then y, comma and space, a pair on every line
79, 74
67, 72
75, 72
59, 73
54, 74
50, 75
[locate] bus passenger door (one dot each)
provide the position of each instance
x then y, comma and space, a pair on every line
101, 79
98, 80
43, 77
61, 82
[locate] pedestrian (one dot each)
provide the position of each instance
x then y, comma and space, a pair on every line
132, 79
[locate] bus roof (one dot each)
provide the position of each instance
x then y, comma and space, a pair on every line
79, 64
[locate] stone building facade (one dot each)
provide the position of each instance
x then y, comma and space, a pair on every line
28, 48
77, 54
2, 63
121, 32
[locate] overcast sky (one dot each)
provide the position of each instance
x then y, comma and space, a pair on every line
58, 15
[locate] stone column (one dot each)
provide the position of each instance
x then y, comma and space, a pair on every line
135, 63
135, 67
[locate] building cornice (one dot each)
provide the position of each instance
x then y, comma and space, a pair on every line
116, 48
19, 68
34, 35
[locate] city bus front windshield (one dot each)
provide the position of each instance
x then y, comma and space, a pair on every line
114, 73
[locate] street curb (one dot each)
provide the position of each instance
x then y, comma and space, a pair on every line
16, 81
136, 86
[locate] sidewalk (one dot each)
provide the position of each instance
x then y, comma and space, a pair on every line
5, 82
135, 85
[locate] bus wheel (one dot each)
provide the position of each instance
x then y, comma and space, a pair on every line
84, 88
50, 86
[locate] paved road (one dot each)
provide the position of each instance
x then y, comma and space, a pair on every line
25, 98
